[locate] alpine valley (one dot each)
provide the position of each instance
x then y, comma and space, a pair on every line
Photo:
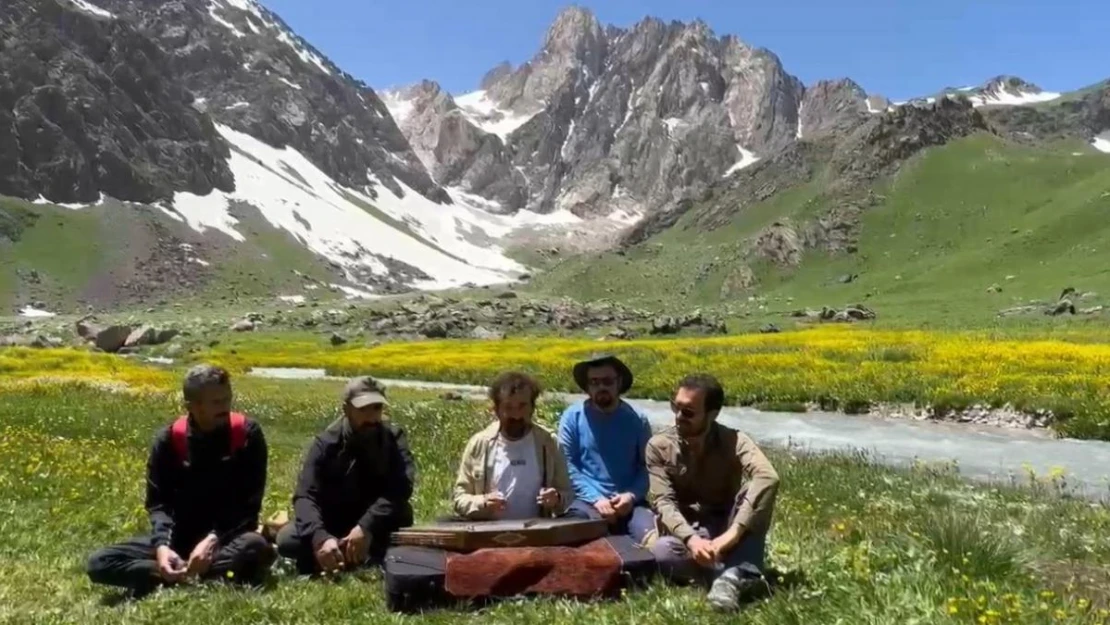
200, 150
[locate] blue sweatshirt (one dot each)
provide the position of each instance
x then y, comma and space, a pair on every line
605, 453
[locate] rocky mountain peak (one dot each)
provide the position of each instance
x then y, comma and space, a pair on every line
573, 49
496, 74
832, 107
574, 33
1011, 84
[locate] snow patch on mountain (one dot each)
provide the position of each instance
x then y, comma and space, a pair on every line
488, 215
747, 158
40, 200
399, 107
1002, 96
1102, 142
213, 7
485, 114
283, 35
333, 221
35, 313
89, 7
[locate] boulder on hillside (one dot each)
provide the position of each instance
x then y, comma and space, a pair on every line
86, 329
243, 325
483, 334
1062, 307
112, 338
149, 335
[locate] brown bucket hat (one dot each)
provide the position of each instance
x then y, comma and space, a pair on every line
603, 359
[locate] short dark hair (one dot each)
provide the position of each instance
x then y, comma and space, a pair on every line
201, 377
511, 382
714, 392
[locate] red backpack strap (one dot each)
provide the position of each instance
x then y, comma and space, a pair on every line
179, 438
179, 435
238, 431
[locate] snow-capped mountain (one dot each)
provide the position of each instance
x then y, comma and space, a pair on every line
214, 111
197, 106
605, 121
628, 121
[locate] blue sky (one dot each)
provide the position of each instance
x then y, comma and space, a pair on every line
900, 48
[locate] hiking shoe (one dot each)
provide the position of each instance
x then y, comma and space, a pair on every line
731, 588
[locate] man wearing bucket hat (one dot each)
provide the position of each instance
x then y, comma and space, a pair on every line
604, 439
354, 489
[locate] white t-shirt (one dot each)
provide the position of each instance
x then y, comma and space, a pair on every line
518, 476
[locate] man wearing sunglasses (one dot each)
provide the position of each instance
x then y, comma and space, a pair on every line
603, 439
714, 492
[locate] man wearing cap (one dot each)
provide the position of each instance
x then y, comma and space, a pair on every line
604, 438
354, 489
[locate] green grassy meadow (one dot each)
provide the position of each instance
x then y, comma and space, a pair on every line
958, 219
871, 544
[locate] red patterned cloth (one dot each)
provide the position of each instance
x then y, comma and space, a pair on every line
585, 571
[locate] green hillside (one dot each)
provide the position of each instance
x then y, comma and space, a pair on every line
956, 220
119, 255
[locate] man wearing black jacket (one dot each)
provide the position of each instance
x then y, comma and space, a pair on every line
354, 488
206, 475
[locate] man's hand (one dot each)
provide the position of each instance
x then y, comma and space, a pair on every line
548, 498
171, 567
704, 552
354, 545
201, 558
329, 556
622, 503
726, 541
605, 508
495, 502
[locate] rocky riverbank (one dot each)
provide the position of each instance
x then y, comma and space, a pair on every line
1005, 417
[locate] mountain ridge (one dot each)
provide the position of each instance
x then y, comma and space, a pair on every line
545, 94
604, 133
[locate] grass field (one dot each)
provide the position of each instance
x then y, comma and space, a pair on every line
960, 218
839, 367
872, 545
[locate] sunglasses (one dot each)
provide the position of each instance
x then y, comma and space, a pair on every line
683, 411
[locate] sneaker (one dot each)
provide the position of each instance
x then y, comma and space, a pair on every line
730, 588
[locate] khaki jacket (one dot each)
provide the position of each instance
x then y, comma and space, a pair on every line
472, 481
729, 478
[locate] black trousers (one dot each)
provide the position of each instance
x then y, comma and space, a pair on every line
299, 549
133, 564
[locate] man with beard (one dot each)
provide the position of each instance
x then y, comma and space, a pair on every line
604, 438
512, 469
206, 474
714, 492
354, 489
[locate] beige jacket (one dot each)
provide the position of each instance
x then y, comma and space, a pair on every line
472, 481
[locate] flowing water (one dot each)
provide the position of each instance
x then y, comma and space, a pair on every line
980, 452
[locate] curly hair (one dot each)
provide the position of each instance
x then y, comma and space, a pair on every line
511, 382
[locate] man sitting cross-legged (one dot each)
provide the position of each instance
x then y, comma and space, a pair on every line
603, 438
512, 469
714, 492
354, 488
206, 474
